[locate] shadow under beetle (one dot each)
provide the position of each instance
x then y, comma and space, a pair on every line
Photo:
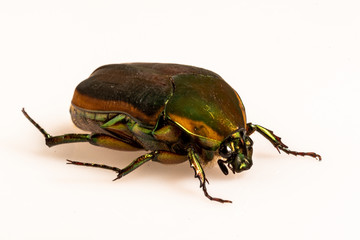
177, 112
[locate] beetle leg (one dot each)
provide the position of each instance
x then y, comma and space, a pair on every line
159, 156
276, 141
121, 172
95, 139
200, 174
51, 140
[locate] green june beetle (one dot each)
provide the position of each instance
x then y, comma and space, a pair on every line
176, 112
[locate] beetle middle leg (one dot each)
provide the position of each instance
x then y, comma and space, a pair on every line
158, 156
276, 141
121, 172
162, 157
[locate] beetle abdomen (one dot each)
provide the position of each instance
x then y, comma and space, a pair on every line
90, 120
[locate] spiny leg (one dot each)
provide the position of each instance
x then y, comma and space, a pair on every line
121, 172
51, 140
200, 174
157, 156
276, 141
95, 139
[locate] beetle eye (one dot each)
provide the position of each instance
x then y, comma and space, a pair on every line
225, 151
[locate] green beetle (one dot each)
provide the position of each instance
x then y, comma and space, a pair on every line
177, 112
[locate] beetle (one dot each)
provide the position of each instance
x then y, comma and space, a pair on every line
176, 112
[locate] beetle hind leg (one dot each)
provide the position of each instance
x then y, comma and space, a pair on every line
102, 140
55, 140
276, 141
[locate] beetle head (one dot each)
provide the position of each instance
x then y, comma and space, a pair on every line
237, 150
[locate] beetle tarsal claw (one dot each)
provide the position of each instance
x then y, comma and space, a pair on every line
118, 177
277, 148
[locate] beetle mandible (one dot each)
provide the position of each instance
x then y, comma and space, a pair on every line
176, 112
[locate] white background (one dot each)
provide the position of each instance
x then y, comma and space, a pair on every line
296, 65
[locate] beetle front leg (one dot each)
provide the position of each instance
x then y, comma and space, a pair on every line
276, 141
200, 174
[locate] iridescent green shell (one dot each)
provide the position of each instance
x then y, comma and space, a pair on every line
205, 105
197, 100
